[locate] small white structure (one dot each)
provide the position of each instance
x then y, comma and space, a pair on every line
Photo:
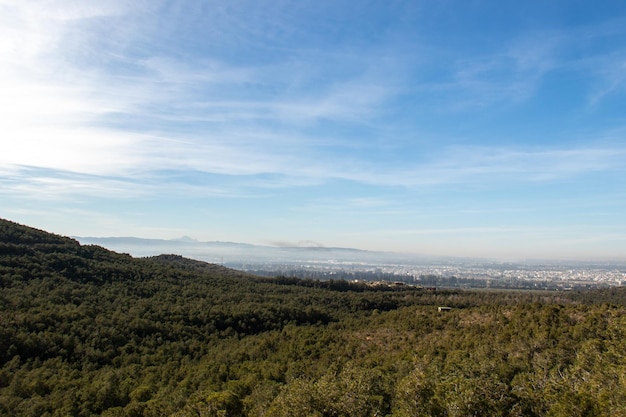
442, 309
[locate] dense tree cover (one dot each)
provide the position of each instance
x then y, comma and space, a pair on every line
85, 332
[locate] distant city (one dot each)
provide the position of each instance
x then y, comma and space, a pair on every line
487, 275
380, 267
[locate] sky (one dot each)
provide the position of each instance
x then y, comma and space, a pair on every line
464, 128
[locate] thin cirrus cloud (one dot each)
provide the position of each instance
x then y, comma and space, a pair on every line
473, 165
163, 88
513, 72
370, 109
466, 163
53, 119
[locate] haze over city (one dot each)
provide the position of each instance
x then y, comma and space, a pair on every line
476, 129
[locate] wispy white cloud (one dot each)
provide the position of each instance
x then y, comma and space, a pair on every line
39, 184
612, 78
479, 163
76, 115
73, 113
136, 163
515, 70
365, 121
491, 166
507, 74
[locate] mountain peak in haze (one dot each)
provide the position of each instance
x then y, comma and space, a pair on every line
186, 239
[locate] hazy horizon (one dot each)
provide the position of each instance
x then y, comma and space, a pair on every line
214, 251
488, 130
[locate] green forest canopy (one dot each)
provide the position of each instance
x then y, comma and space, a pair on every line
88, 332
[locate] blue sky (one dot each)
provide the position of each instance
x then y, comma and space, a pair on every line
467, 128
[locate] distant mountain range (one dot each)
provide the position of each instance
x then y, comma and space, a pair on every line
243, 253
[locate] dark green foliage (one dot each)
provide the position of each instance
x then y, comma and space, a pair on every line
85, 332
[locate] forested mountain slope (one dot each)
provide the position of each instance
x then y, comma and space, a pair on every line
85, 331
